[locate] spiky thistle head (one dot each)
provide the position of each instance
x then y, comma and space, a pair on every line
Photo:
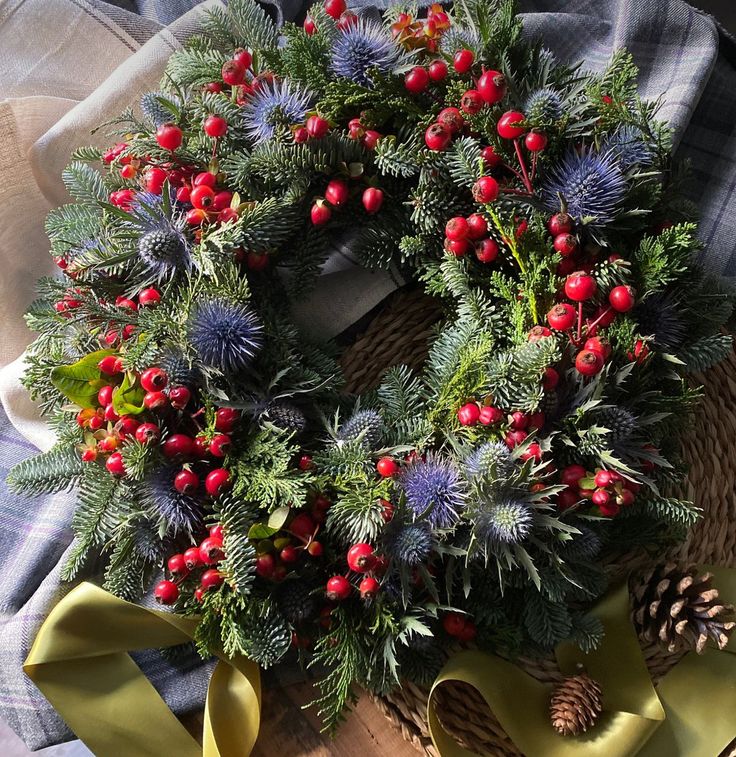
273, 108
459, 38
163, 247
490, 461
408, 543
154, 111
434, 489
225, 335
660, 316
179, 512
543, 105
506, 521
177, 367
620, 422
366, 425
628, 146
591, 183
361, 47
285, 415
296, 601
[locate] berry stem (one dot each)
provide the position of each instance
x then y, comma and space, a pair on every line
591, 326
534, 165
522, 164
580, 321
513, 171
512, 191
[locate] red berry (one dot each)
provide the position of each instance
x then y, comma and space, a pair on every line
416, 80
154, 180
257, 261
169, 136
469, 632
468, 414
600, 497
233, 73
372, 200
594, 344
178, 445
217, 481
370, 138
199, 594
519, 420
177, 566
387, 467
215, 126
309, 26
302, 526
196, 217
457, 247
369, 587
437, 137
320, 213
317, 126
186, 481
166, 592
337, 192
622, 298
211, 551
360, 558
202, 197
243, 57
220, 445
536, 420
346, 20
111, 364
463, 61
580, 286
315, 549
179, 396
387, 509
603, 478
588, 363
538, 332
535, 141
226, 418
508, 125
486, 250
452, 119
492, 86
572, 474
625, 498
184, 193
149, 297
289, 554
565, 244
356, 129
191, 558
335, 8
221, 202
205, 179
550, 379
490, 157
485, 189
115, 464
338, 588
457, 228
265, 565
515, 437
123, 198
438, 70
305, 462
533, 452
477, 226
147, 432
490, 415
453, 623
108, 444
567, 498
610, 509
562, 317
154, 379
217, 531
211, 579
301, 135
104, 396
560, 223
127, 426
110, 414
471, 102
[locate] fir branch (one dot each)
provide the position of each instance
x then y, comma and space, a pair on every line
58, 469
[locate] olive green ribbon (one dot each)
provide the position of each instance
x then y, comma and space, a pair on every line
80, 662
692, 712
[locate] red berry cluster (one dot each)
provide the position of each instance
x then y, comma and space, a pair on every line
515, 430
460, 626
337, 193
361, 559
608, 490
197, 567
464, 234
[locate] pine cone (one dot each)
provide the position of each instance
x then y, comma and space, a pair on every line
575, 705
682, 610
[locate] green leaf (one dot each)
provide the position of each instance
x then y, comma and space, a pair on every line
278, 517
127, 399
81, 381
259, 531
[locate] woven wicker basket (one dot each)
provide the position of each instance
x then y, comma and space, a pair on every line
400, 334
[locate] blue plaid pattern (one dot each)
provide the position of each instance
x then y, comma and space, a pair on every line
682, 54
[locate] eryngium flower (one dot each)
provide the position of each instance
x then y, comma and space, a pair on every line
434, 490
458, 38
409, 543
507, 521
543, 105
286, 416
366, 425
619, 421
179, 512
360, 47
162, 246
490, 461
225, 335
273, 107
591, 183
177, 367
660, 315
627, 145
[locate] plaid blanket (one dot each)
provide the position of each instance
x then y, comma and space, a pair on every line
682, 54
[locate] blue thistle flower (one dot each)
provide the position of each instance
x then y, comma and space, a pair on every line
434, 490
507, 521
491, 460
163, 248
179, 512
543, 105
660, 315
364, 424
591, 183
154, 111
225, 335
459, 38
409, 543
628, 147
273, 107
360, 47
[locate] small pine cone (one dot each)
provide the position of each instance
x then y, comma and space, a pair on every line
286, 416
680, 609
575, 705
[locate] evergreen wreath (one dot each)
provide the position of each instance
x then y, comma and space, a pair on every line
471, 501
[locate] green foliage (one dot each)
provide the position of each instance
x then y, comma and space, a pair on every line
663, 259
238, 567
84, 183
706, 352
59, 468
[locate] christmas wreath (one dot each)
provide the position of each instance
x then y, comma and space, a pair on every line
475, 500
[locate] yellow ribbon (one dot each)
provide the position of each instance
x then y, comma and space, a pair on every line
80, 662
692, 713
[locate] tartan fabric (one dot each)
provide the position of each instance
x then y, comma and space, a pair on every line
682, 54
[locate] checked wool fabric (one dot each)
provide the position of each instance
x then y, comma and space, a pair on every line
681, 52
